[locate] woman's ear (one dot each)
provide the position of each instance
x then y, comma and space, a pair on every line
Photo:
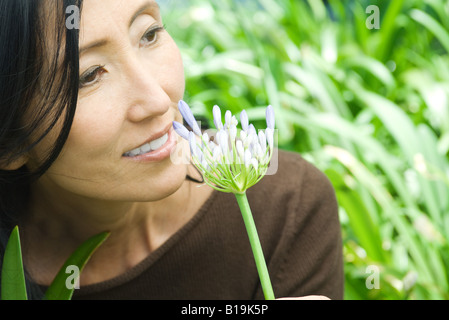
13, 165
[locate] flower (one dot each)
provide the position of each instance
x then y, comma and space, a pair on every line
232, 162
235, 159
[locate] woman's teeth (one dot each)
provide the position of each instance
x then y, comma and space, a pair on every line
147, 147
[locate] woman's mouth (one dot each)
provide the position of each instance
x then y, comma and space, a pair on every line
154, 150
148, 147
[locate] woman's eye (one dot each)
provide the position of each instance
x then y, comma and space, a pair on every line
150, 37
91, 76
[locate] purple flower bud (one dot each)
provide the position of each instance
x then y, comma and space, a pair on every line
205, 164
217, 154
243, 135
257, 151
255, 164
240, 149
251, 130
204, 140
223, 141
188, 117
263, 141
193, 146
247, 159
181, 130
232, 132
217, 117
234, 121
228, 117
269, 135
270, 117
244, 120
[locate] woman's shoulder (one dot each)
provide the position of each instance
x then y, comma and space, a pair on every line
289, 172
296, 212
293, 194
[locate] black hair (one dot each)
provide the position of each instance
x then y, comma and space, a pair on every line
39, 83
39, 75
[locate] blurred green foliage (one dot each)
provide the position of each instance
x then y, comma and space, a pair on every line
369, 107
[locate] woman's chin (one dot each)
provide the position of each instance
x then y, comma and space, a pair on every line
164, 187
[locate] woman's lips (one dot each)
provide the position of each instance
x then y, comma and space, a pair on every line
163, 150
149, 146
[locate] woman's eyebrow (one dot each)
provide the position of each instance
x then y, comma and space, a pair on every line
143, 8
95, 44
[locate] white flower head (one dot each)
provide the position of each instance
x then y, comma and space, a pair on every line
237, 158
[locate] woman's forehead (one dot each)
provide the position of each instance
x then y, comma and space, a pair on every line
98, 16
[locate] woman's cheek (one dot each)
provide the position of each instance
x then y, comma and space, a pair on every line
92, 132
174, 72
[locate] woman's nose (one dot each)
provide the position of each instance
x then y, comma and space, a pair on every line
146, 95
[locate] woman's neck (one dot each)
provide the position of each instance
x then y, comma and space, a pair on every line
136, 229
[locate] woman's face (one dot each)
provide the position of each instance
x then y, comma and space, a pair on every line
131, 78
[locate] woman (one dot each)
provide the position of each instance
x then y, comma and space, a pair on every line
86, 136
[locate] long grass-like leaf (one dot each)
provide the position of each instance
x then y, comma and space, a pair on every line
389, 25
59, 290
378, 95
405, 133
364, 228
433, 26
13, 278
390, 210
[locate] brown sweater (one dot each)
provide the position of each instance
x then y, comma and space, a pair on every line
210, 257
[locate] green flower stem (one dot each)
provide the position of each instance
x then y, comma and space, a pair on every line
242, 200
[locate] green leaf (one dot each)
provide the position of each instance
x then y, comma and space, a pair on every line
373, 66
388, 29
58, 289
365, 230
405, 133
432, 25
13, 278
